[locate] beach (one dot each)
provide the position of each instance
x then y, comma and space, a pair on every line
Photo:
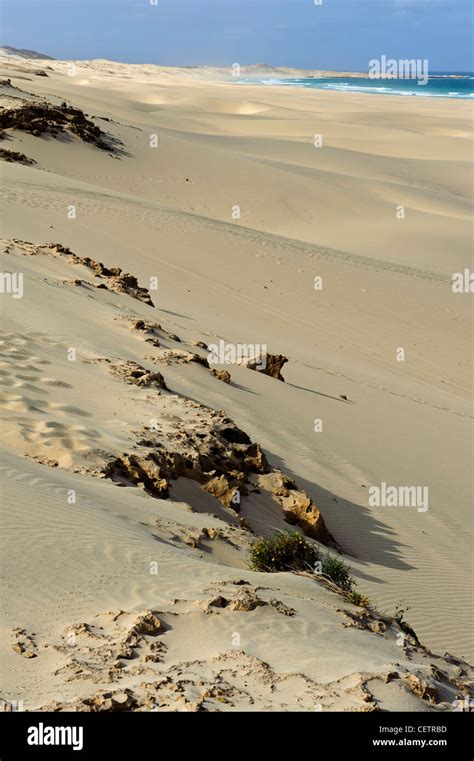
325, 226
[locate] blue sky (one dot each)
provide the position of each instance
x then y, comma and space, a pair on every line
339, 34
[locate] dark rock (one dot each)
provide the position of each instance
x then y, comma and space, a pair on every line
222, 375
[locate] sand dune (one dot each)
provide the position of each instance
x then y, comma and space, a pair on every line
167, 214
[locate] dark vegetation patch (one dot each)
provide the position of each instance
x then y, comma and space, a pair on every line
45, 119
289, 551
15, 156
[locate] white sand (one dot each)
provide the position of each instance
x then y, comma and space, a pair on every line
305, 212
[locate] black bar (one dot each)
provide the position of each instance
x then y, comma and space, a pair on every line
131, 735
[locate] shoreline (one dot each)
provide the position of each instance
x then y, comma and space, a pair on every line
355, 91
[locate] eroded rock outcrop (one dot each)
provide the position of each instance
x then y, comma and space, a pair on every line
220, 458
150, 329
268, 364
136, 375
222, 375
116, 279
111, 646
111, 278
153, 475
24, 643
273, 366
298, 508
224, 461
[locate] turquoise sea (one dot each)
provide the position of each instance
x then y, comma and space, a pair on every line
439, 85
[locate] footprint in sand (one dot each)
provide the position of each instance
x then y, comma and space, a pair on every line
50, 427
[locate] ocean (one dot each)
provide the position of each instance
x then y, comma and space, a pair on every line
439, 85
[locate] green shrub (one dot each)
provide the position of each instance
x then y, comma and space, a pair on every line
358, 599
338, 572
285, 551
400, 611
289, 551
